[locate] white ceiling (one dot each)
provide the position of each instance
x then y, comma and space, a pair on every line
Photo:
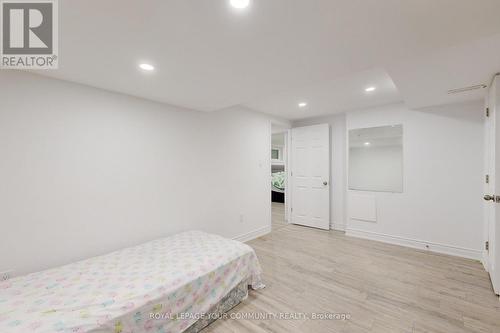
331, 96
275, 53
425, 80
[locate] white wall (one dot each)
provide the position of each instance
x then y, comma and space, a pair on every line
84, 171
441, 204
278, 139
338, 176
236, 170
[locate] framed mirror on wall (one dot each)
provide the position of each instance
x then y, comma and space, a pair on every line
376, 159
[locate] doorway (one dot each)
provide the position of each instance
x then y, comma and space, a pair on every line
279, 177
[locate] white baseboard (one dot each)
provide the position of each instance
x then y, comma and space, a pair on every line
338, 226
253, 234
417, 244
484, 260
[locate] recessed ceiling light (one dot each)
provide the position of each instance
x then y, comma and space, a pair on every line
302, 104
240, 4
370, 89
146, 67
367, 143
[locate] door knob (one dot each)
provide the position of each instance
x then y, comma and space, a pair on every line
488, 197
325, 183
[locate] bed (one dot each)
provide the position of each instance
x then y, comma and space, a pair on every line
166, 285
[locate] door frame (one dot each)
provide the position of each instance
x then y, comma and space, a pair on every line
491, 218
288, 181
488, 209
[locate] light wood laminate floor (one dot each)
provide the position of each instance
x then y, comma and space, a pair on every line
384, 288
278, 216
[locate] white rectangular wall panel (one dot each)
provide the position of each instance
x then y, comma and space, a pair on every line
362, 207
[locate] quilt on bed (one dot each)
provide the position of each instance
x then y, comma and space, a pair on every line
160, 286
278, 180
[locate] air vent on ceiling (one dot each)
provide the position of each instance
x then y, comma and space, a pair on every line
464, 89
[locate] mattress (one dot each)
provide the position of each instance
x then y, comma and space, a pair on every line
235, 296
161, 286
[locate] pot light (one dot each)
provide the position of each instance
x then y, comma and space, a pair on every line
147, 67
370, 89
367, 143
302, 104
239, 4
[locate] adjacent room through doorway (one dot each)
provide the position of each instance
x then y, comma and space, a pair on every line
279, 171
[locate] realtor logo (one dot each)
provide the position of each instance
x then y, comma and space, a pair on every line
29, 34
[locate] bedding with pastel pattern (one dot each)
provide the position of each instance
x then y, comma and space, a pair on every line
278, 180
160, 286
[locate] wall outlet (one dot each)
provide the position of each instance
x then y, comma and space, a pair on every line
4, 276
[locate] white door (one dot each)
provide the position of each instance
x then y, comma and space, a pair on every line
310, 170
492, 187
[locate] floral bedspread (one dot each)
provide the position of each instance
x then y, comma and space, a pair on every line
160, 286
